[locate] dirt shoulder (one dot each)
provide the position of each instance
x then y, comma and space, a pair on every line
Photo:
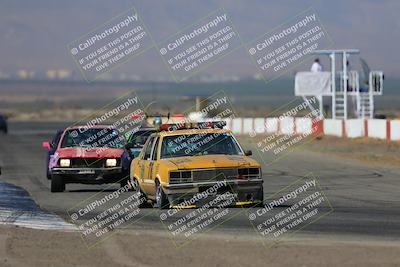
372, 151
27, 247
368, 150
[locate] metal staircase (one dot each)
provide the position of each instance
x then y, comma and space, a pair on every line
342, 83
340, 105
365, 106
365, 100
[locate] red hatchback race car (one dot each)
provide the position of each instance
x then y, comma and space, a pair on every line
88, 155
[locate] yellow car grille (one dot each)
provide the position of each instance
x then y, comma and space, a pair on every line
218, 174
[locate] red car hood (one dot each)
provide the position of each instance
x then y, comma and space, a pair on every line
79, 152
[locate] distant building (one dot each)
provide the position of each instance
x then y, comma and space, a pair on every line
51, 74
62, 74
25, 74
4, 76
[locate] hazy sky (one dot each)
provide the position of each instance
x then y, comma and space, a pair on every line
34, 34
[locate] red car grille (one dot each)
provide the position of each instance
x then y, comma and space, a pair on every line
88, 163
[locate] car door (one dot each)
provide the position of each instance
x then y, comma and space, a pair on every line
153, 168
52, 150
144, 165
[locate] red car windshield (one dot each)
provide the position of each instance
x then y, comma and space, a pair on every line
94, 137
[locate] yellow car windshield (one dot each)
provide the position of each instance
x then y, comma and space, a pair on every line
199, 144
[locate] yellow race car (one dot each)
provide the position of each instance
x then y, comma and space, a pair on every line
182, 160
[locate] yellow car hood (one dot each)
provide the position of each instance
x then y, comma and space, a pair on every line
213, 161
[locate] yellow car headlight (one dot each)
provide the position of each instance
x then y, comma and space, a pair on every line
111, 162
65, 162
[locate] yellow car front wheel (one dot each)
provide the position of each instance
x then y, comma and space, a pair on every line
161, 198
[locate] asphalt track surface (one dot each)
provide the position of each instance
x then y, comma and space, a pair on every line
364, 197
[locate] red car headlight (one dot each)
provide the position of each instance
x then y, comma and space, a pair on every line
65, 162
111, 162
